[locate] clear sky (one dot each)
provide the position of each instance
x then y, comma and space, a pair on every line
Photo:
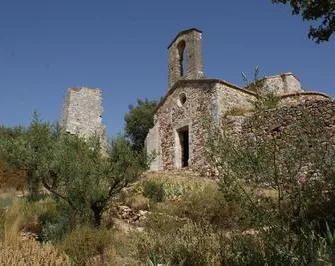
47, 46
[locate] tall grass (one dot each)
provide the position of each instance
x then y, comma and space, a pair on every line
29, 252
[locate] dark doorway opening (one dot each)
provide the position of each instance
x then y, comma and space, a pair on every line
184, 145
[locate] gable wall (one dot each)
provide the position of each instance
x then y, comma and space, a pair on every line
171, 116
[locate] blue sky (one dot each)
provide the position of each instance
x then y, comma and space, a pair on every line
47, 46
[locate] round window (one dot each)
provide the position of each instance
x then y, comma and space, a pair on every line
182, 99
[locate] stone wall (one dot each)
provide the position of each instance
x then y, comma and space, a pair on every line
153, 147
205, 101
216, 99
282, 84
173, 115
303, 97
82, 113
277, 119
229, 98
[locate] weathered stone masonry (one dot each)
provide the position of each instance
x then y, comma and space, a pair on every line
82, 113
283, 117
179, 136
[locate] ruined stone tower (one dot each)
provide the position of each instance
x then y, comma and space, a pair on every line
185, 56
82, 113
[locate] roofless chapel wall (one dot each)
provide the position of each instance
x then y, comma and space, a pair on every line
179, 136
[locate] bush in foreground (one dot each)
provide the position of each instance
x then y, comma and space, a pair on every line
86, 243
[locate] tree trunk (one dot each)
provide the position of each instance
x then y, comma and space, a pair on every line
33, 186
97, 212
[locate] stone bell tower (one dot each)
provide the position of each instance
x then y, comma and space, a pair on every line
185, 57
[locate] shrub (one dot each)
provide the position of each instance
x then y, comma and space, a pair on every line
204, 203
30, 252
188, 244
6, 199
24, 215
137, 202
54, 224
274, 247
55, 231
154, 190
85, 243
199, 204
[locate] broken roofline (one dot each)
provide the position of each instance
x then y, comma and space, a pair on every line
188, 82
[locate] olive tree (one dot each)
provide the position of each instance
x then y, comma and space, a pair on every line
86, 179
30, 150
72, 168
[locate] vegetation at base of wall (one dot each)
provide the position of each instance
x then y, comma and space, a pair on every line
237, 111
187, 244
298, 165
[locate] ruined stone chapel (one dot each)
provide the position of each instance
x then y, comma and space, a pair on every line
178, 137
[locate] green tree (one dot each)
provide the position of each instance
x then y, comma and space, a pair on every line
139, 120
73, 169
8, 132
85, 179
28, 149
316, 10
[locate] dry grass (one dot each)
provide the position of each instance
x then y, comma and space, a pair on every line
188, 220
30, 252
178, 183
23, 215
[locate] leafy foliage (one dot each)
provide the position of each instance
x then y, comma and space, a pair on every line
72, 168
180, 244
298, 166
154, 190
86, 180
139, 120
322, 10
85, 243
29, 150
